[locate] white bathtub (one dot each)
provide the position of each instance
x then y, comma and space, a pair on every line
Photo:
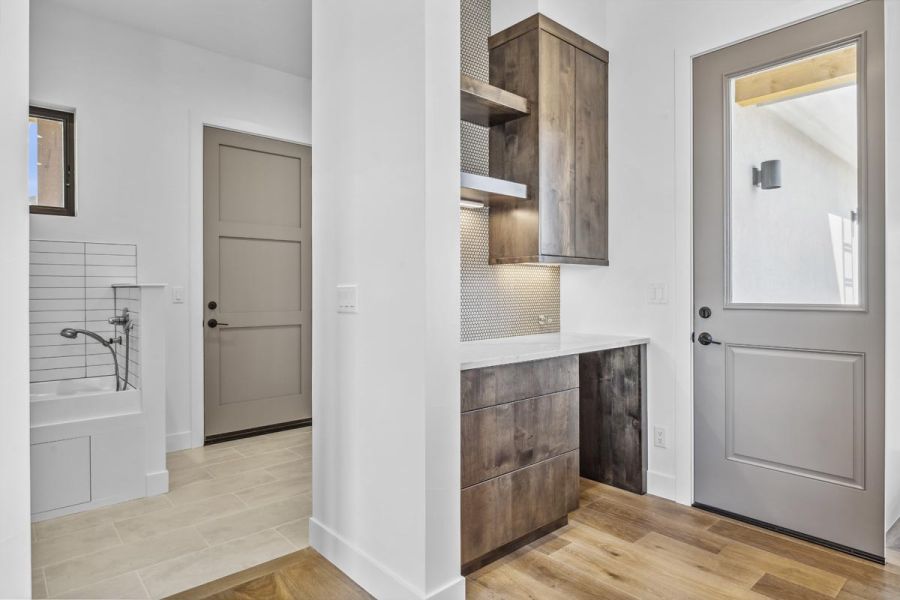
55, 402
89, 447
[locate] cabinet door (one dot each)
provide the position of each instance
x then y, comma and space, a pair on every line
507, 508
591, 220
613, 419
557, 146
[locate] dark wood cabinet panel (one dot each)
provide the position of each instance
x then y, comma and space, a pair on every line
501, 513
510, 436
500, 384
559, 150
612, 418
591, 187
556, 167
513, 153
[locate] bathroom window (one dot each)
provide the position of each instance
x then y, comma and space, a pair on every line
51, 161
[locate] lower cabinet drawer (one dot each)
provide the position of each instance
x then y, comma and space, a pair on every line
501, 439
502, 511
489, 386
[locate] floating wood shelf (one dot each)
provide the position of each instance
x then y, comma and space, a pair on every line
485, 104
478, 188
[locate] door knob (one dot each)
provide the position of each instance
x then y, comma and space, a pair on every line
212, 305
705, 339
213, 323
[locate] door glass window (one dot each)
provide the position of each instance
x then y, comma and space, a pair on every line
793, 206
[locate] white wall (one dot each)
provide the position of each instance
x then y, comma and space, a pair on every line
137, 98
386, 217
586, 17
892, 263
15, 489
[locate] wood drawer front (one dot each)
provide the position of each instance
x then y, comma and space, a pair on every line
507, 383
506, 437
501, 510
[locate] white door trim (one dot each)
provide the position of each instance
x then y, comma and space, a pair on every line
198, 120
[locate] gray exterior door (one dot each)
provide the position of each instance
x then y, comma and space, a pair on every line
257, 278
789, 261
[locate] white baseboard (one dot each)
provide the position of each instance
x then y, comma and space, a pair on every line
661, 484
157, 483
178, 441
371, 575
455, 590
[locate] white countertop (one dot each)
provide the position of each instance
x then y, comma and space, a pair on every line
503, 351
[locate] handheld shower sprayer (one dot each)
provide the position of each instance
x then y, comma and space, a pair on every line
71, 333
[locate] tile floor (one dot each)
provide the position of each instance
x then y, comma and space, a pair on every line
230, 506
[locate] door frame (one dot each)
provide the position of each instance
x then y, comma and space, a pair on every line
195, 437
683, 489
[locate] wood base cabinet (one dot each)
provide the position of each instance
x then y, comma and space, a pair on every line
507, 512
613, 417
519, 446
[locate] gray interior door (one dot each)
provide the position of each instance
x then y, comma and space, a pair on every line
257, 278
789, 261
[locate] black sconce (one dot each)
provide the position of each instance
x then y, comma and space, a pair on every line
768, 175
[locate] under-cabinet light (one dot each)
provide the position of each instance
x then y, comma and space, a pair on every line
471, 204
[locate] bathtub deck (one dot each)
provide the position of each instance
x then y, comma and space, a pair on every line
231, 506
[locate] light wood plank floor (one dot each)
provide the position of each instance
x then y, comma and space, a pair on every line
230, 506
618, 546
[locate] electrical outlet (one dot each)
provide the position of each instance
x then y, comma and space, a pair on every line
177, 294
659, 437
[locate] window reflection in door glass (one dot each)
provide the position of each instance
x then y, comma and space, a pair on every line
793, 206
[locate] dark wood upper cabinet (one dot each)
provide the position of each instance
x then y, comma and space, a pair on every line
559, 149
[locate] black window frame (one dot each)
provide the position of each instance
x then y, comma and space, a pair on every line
68, 120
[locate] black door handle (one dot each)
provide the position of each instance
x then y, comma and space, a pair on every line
705, 339
213, 323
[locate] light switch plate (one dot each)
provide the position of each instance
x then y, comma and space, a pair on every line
658, 293
177, 294
348, 298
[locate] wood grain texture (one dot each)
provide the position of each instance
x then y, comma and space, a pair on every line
490, 386
304, 575
591, 559
629, 546
506, 508
486, 105
612, 419
544, 23
559, 150
513, 150
503, 438
556, 166
591, 157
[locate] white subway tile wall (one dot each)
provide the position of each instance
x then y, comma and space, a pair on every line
71, 286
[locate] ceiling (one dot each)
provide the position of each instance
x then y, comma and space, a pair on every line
273, 33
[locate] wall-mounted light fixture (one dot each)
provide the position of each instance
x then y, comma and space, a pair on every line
768, 175
471, 203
